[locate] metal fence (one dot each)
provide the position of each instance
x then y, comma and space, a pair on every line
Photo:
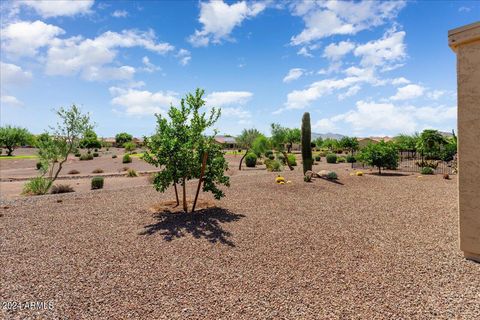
410, 161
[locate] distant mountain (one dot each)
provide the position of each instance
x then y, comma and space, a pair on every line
330, 135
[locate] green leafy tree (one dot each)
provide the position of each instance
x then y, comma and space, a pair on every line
406, 142
330, 144
14, 137
292, 136
245, 140
430, 143
260, 145
90, 140
184, 152
318, 142
279, 139
121, 138
54, 147
349, 143
129, 146
380, 155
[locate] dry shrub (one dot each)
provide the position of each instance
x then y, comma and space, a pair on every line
61, 188
98, 170
73, 171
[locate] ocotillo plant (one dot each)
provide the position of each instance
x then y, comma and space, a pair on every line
306, 143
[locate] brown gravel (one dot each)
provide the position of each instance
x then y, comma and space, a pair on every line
371, 247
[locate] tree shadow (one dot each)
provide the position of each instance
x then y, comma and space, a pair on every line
332, 181
390, 174
204, 223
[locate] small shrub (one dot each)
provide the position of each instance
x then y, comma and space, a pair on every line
281, 158
39, 165
98, 170
322, 154
341, 159
268, 153
351, 159
96, 149
332, 176
251, 160
446, 176
259, 162
271, 157
426, 170
61, 188
35, 186
318, 158
427, 163
273, 165
95, 154
292, 160
129, 146
86, 157
125, 168
88, 152
77, 154
97, 183
331, 158
73, 171
132, 173
114, 156
126, 158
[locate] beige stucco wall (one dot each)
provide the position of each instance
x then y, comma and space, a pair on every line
465, 41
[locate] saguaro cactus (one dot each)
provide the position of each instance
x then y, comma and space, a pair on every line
306, 143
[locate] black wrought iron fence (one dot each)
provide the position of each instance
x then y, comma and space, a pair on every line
410, 161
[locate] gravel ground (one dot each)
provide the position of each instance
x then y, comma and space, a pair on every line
371, 247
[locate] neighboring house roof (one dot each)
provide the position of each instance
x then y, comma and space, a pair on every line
223, 139
108, 139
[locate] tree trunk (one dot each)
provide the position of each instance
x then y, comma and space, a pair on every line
185, 206
241, 160
9, 151
379, 170
200, 180
176, 194
289, 148
286, 160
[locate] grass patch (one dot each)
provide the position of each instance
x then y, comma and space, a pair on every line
18, 157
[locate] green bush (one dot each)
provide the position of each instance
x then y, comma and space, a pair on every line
132, 173
86, 157
281, 158
126, 158
95, 154
318, 158
251, 160
39, 165
36, 186
271, 156
273, 165
129, 146
97, 183
61, 188
331, 158
351, 159
269, 153
332, 176
341, 159
427, 170
292, 160
322, 154
114, 156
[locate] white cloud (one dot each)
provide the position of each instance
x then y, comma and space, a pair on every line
304, 52
384, 51
435, 94
237, 112
119, 14
326, 18
184, 56
10, 101
49, 8
11, 74
400, 80
90, 57
293, 74
219, 19
410, 91
464, 9
350, 92
24, 38
337, 51
227, 98
148, 66
142, 102
324, 125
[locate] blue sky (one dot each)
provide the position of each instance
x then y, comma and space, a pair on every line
360, 68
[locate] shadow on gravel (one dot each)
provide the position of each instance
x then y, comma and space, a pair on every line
390, 174
205, 223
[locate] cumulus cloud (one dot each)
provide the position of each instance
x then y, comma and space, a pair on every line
11, 74
90, 57
324, 125
293, 74
49, 8
184, 56
231, 102
219, 19
6, 100
24, 38
400, 80
142, 102
337, 51
384, 51
407, 92
327, 18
